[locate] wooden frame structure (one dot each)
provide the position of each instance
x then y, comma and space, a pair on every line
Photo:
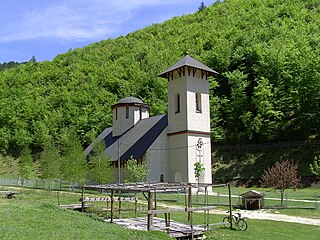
150, 191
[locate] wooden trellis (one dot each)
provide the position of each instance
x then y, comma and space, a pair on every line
150, 191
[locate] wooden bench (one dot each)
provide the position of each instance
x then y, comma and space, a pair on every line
9, 194
108, 199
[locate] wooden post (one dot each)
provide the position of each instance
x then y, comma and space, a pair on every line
150, 207
230, 205
112, 206
59, 198
205, 213
120, 204
189, 200
82, 199
135, 204
155, 202
166, 221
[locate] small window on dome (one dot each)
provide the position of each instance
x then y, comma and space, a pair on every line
127, 111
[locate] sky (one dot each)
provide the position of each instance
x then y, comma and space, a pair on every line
46, 28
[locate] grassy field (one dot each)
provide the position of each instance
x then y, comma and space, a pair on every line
34, 214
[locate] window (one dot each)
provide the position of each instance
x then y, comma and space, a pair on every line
127, 111
177, 103
198, 102
140, 109
161, 178
116, 113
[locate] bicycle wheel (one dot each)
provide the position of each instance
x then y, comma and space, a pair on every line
242, 225
226, 221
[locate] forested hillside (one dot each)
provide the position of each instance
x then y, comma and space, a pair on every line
267, 52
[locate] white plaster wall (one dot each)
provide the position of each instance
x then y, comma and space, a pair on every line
177, 121
145, 113
182, 152
206, 177
198, 121
156, 158
178, 156
122, 124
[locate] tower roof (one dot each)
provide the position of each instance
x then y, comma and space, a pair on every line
187, 61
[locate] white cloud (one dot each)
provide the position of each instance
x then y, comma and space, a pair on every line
76, 20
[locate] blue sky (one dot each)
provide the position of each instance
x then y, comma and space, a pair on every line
46, 28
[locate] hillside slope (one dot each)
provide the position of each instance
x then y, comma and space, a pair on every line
266, 51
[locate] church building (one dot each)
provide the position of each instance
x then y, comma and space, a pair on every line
170, 144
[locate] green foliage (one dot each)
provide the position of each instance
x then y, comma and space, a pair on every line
26, 164
202, 7
266, 52
9, 167
315, 166
74, 165
135, 172
198, 169
50, 162
100, 169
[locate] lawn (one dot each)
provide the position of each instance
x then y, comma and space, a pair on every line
34, 214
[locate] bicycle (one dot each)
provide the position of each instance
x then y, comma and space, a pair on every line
238, 220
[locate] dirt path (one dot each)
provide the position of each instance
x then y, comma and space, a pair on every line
265, 215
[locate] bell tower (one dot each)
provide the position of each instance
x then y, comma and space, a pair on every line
188, 120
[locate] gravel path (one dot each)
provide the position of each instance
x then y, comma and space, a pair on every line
265, 215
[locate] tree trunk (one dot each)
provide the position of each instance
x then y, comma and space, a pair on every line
282, 192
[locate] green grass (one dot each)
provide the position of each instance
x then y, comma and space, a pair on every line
257, 229
34, 214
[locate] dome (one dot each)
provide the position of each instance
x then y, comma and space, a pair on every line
130, 100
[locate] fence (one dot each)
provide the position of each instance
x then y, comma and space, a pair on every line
55, 184
220, 198
271, 200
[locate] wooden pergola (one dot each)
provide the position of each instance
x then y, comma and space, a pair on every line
150, 190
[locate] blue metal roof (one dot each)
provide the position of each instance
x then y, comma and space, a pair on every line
135, 142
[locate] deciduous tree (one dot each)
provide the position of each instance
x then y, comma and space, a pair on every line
315, 166
99, 164
281, 176
135, 172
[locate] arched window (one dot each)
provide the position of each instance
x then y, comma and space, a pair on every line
140, 112
198, 102
177, 103
161, 177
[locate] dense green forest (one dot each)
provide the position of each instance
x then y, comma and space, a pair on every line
266, 51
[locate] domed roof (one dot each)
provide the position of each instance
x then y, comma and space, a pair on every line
130, 100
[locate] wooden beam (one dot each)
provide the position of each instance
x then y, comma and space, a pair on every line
120, 205
171, 210
189, 201
112, 206
230, 205
150, 207
82, 202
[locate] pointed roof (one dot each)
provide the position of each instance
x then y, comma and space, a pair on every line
187, 61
